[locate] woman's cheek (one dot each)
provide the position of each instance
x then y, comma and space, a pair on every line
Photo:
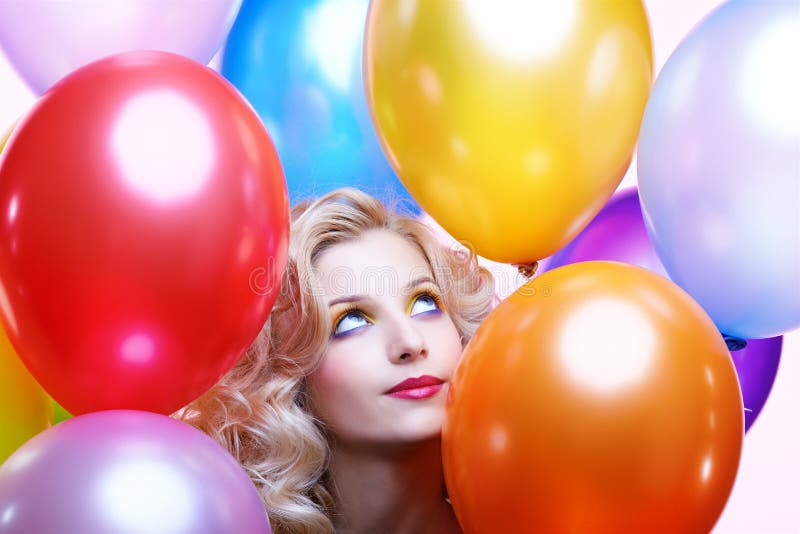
340, 369
450, 341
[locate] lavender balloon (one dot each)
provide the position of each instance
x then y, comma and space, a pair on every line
618, 233
46, 40
718, 166
125, 471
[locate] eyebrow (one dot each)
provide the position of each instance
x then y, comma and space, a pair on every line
356, 298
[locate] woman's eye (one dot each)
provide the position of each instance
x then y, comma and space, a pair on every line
424, 304
349, 322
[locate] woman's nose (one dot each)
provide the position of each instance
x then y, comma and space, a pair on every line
407, 343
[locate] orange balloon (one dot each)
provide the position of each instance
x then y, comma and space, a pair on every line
598, 398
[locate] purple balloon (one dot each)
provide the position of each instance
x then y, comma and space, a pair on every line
126, 471
618, 233
757, 365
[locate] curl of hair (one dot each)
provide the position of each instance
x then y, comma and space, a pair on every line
259, 410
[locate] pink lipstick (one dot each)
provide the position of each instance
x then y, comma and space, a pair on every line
416, 388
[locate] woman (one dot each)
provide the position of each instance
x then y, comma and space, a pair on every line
336, 410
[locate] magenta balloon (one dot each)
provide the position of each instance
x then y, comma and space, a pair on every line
46, 39
125, 471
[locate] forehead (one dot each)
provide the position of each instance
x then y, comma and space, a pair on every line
378, 262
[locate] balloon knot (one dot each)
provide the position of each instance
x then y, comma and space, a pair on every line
527, 269
734, 343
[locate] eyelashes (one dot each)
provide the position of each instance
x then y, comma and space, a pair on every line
355, 312
430, 294
350, 309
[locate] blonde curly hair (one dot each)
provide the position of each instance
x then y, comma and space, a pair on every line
259, 410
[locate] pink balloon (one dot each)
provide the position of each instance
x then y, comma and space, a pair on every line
45, 40
127, 471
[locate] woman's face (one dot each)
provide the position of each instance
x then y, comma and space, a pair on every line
389, 325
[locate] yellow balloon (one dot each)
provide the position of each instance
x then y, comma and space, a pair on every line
4, 139
25, 408
510, 122
59, 413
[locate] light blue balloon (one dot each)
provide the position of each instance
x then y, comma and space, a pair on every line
719, 166
298, 62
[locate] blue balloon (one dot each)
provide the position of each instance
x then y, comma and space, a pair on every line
299, 64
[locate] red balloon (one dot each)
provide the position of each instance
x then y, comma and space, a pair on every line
143, 230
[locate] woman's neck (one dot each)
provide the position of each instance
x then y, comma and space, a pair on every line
397, 489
